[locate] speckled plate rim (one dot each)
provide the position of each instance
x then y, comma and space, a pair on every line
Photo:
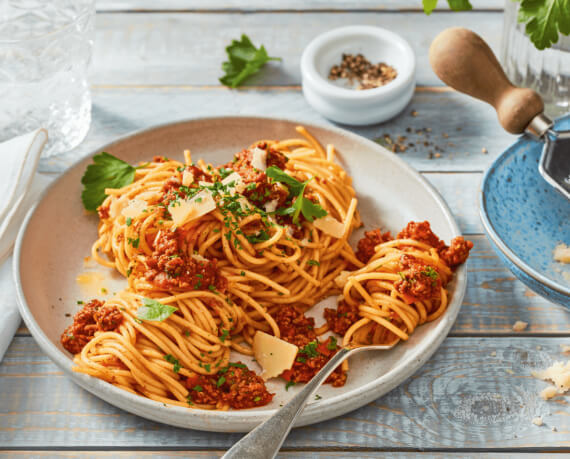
494, 235
245, 420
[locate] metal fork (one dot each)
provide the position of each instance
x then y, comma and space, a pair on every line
266, 439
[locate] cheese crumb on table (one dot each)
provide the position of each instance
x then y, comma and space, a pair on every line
537, 421
548, 392
558, 373
565, 348
493, 354
519, 326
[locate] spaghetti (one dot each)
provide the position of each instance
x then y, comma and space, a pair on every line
214, 254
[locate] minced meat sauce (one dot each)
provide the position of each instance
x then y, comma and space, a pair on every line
260, 190
169, 266
365, 248
93, 317
235, 385
313, 354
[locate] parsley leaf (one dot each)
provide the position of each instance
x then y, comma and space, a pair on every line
544, 20
455, 5
289, 384
221, 380
332, 345
154, 310
244, 60
105, 172
313, 263
302, 205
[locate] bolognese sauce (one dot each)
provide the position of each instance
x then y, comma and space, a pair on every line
235, 385
93, 317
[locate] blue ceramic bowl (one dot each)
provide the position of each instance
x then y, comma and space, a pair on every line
525, 218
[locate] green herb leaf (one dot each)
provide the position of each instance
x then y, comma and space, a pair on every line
221, 380
332, 345
224, 335
313, 263
257, 399
310, 350
105, 172
295, 187
302, 205
154, 310
198, 388
455, 5
429, 6
460, 5
289, 384
244, 60
544, 20
174, 361
430, 272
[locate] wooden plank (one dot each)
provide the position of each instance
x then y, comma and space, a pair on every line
159, 454
460, 126
281, 5
189, 48
474, 393
495, 300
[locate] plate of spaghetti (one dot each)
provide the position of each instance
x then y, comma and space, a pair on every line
198, 273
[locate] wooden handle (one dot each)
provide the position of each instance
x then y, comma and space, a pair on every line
463, 60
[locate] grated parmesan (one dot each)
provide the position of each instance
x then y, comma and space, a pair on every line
558, 373
562, 253
537, 421
519, 326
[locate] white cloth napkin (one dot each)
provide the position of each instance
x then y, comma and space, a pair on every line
20, 187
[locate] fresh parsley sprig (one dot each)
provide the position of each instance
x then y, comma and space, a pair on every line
107, 171
244, 60
545, 20
301, 205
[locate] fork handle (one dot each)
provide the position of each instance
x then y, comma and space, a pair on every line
264, 441
463, 60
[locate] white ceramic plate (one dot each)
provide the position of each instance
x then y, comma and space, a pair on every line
58, 234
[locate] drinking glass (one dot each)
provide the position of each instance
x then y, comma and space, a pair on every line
546, 71
45, 49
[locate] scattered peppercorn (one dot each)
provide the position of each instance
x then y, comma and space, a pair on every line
367, 75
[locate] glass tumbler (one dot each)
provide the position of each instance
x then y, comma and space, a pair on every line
546, 71
45, 49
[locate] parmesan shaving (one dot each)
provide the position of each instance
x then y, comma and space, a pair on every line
259, 159
185, 210
187, 177
238, 183
271, 206
273, 354
342, 279
330, 225
537, 421
134, 208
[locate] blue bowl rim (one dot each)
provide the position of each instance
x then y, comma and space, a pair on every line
494, 236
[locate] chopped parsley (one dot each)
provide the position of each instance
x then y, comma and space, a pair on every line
332, 345
197, 388
317, 397
221, 380
174, 361
79, 302
289, 384
134, 242
310, 349
257, 399
207, 367
129, 221
224, 335
313, 263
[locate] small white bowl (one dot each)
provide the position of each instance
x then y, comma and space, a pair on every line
351, 106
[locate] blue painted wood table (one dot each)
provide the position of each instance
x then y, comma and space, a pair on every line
160, 61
